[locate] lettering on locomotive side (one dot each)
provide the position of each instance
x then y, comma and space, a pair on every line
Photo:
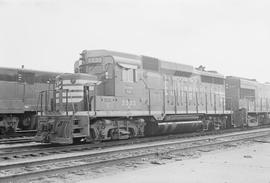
128, 102
128, 89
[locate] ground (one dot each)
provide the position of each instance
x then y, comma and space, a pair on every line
248, 163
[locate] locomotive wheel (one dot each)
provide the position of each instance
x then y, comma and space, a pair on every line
93, 134
26, 123
2, 131
113, 134
211, 126
132, 133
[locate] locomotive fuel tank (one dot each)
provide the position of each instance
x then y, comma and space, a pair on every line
172, 127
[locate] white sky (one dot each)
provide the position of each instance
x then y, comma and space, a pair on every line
229, 36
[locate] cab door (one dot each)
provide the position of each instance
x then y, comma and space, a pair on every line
88, 97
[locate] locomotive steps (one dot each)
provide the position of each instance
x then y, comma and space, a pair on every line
10, 171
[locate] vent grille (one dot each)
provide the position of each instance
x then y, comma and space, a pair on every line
150, 63
213, 80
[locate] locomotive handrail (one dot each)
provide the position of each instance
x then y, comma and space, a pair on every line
66, 101
40, 98
88, 102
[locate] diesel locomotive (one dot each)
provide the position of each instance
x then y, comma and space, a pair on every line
115, 95
19, 92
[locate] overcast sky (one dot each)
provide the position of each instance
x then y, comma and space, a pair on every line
229, 36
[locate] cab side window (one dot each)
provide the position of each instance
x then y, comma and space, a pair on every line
129, 75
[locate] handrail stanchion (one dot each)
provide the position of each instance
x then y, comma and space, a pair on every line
67, 102
46, 102
41, 103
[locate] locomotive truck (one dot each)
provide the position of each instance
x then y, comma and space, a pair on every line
115, 95
19, 91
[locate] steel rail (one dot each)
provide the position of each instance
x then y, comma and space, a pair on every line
16, 140
17, 135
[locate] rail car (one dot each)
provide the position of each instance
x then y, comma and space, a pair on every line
115, 95
249, 100
19, 92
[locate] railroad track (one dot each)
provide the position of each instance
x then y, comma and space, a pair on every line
18, 137
38, 150
22, 170
16, 140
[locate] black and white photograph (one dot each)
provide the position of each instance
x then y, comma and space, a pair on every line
134, 91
